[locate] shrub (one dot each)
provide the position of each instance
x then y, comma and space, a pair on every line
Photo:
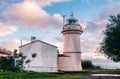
14, 62
86, 64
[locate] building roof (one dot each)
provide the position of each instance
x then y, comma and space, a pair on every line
72, 20
5, 52
37, 41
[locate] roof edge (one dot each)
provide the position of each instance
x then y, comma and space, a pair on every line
38, 41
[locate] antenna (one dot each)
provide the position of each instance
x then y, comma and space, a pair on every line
20, 42
63, 19
71, 11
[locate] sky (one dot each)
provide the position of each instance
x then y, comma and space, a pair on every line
21, 19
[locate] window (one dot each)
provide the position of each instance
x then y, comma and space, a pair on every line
71, 21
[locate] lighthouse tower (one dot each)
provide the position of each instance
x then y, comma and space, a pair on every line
71, 58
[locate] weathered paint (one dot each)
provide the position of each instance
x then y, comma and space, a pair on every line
46, 59
72, 43
71, 59
70, 62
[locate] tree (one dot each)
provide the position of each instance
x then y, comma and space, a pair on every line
110, 45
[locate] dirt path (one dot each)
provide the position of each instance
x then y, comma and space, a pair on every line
101, 72
98, 77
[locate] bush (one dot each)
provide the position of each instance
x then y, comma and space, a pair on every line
86, 64
14, 62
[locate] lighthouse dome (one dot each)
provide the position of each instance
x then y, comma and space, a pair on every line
72, 20
72, 25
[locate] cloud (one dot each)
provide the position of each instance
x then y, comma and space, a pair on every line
41, 3
44, 3
60, 39
85, 0
110, 10
83, 24
13, 43
10, 44
100, 60
59, 43
57, 20
105, 63
93, 35
93, 32
109, 0
29, 13
94, 0
6, 29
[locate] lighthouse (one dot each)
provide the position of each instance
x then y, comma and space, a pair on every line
71, 58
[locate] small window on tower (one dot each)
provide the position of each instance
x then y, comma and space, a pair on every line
71, 21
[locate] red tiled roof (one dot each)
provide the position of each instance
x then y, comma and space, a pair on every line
5, 52
1, 52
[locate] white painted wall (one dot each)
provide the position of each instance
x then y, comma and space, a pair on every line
46, 60
3, 55
70, 62
72, 43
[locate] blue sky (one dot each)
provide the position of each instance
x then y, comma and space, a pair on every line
21, 19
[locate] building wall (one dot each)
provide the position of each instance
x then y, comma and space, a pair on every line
72, 43
3, 55
70, 62
46, 60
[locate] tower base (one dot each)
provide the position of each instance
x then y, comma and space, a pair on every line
70, 61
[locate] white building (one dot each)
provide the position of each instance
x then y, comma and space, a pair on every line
46, 59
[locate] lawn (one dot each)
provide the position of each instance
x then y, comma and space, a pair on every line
66, 75
35, 75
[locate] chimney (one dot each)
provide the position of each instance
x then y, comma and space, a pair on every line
33, 38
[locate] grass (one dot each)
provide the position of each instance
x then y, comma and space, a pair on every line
36, 75
92, 69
